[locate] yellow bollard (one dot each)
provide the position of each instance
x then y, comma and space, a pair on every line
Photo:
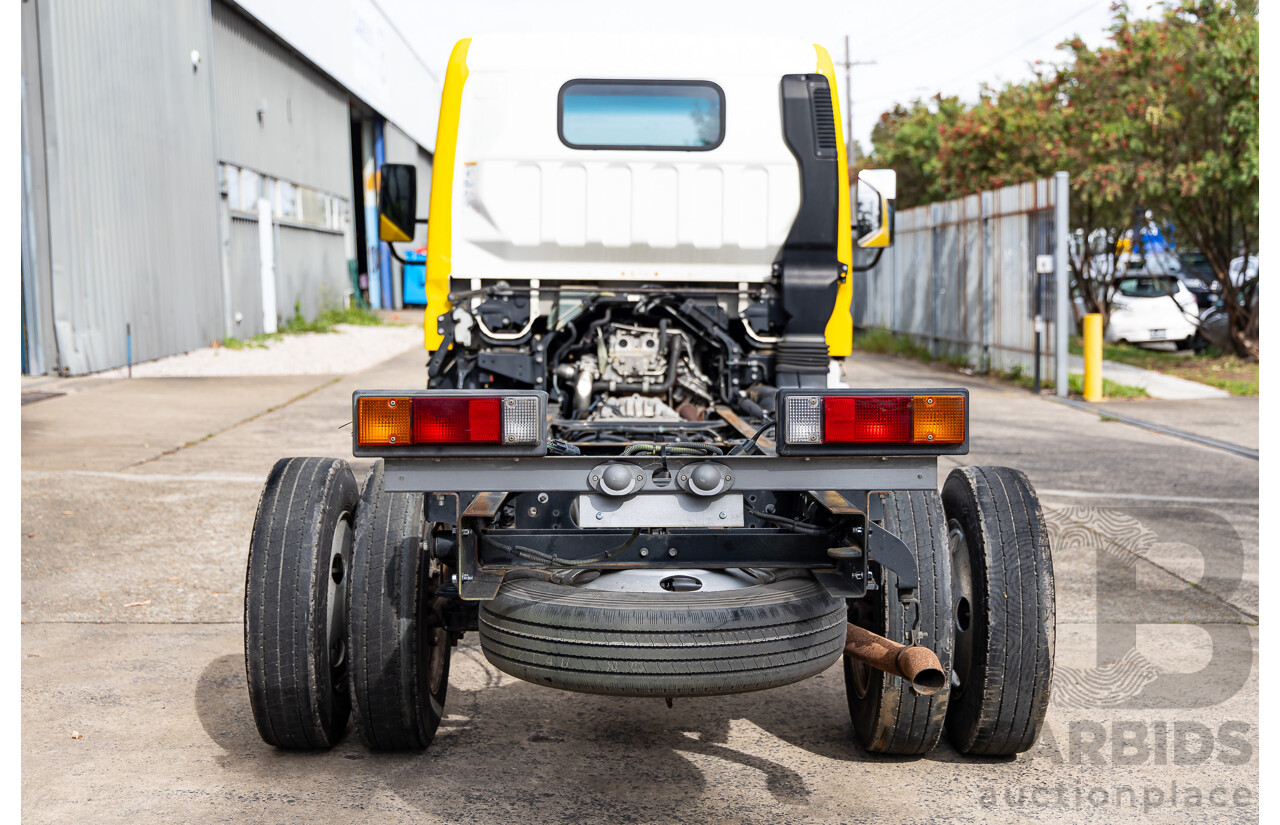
1093, 357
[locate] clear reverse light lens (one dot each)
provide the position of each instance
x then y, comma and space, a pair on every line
804, 419
520, 423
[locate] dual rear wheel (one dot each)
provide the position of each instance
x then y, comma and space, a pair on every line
341, 613
342, 616
985, 605
1004, 611
295, 603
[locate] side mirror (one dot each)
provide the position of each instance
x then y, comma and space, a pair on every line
874, 193
398, 202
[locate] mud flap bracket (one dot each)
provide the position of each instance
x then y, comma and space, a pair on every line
851, 579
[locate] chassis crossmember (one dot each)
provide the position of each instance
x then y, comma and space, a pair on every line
551, 512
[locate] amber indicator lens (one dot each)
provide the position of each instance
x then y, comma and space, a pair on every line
938, 419
383, 421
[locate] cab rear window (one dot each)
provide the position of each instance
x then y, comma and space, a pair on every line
676, 115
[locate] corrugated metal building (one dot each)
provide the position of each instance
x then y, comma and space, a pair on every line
283, 134
184, 169
124, 155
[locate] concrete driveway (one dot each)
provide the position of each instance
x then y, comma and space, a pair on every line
138, 498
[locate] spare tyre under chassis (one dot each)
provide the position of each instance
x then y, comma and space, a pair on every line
701, 643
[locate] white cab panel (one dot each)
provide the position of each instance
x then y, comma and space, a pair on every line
526, 205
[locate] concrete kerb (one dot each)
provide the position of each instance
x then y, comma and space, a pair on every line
1157, 428
1157, 384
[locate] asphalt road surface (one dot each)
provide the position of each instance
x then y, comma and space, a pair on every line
137, 502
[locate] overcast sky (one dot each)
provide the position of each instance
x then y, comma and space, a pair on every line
920, 47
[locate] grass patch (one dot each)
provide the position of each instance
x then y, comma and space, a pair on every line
1075, 384
1018, 377
327, 320
884, 342
1110, 389
1235, 386
256, 342
1148, 359
323, 323
887, 343
1235, 375
1215, 368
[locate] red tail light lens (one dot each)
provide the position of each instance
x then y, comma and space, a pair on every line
867, 419
457, 420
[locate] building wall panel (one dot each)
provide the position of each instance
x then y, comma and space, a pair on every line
132, 178
245, 278
276, 114
279, 117
37, 288
311, 270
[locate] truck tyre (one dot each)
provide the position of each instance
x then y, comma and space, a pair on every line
1004, 618
399, 648
888, 717
663, 644
295, 603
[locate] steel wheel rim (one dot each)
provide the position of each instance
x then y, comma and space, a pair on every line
962, 617
335, 622
435, 634
861, 679
439, 640
860, 672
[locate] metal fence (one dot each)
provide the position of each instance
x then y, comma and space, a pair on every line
961, 278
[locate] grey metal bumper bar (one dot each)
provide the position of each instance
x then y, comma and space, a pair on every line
572, 473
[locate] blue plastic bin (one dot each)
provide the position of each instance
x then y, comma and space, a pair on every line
415, 279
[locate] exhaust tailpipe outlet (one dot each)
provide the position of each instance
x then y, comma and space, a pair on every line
917, 664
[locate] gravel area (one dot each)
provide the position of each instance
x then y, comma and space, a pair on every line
348, 349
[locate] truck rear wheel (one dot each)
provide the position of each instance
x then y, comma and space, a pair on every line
1004, 617
295, 603
888, 717
663, 644
399, 649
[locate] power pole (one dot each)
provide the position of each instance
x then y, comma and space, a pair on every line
848, 90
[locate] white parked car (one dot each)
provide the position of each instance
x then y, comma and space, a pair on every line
1152, 309
1240, 273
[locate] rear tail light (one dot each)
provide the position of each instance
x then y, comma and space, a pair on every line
460, 422
454, 420
879, 421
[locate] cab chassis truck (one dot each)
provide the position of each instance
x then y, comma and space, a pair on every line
632, 467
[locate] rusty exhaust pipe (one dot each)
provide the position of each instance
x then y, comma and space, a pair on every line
917, 664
